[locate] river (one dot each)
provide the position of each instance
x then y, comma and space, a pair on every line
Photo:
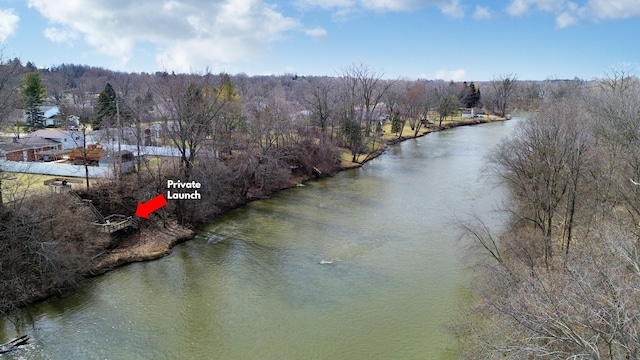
362, 265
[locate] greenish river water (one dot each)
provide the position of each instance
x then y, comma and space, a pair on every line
362, 265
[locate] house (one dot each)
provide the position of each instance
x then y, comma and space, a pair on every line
15, 151
68, 139
30, 149
45, 149
50, 115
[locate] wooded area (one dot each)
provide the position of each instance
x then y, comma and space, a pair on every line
562, 281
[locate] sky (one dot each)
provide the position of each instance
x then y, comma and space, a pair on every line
460, 40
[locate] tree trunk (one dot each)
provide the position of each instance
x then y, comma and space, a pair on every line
13, 344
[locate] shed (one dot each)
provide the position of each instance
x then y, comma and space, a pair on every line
124, 157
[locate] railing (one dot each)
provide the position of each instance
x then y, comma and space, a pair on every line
109, 224
88, 203
115, 222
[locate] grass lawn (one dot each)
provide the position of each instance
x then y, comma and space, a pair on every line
17, 186
346, 157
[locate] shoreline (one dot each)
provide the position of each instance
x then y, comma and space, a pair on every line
157, 242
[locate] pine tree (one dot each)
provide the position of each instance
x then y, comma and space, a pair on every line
472, 96
106, 109
396, 124
33, 94
228, 91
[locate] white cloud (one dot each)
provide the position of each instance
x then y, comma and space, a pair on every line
451, 75
521, 7
481, 13
316, 33
569, 13
190, 34
58, 35
326, 4
345, 7
396, 5
452, 8
8, 23
612, 9
565, 19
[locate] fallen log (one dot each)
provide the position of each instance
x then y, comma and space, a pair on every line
14, 344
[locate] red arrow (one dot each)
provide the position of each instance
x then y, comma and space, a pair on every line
150, 206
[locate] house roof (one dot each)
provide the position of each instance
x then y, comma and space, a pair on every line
51, 112
8, 147
49, 133
27, 143
37, 141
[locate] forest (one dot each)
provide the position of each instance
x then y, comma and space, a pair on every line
562, 281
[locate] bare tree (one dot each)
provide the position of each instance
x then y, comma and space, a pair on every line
140, 108
571, 170
418, 100
351, 117
188, 105
396, 106
319, 97
362, 91
9, 85
614, 110
544, 165
40, 253
231, 120
503, 87
584, 310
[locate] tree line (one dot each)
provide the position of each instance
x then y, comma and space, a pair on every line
562, 280
241, 137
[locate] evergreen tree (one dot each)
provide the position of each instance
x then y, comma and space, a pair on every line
228, 91
33, 94
396, 124
106, 110
472, 96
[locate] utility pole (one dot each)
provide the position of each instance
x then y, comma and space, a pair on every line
85, 154
118, 161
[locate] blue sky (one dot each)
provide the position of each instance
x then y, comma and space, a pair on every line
472, 40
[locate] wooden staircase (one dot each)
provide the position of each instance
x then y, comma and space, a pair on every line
108, 224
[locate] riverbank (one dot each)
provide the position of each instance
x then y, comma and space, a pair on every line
144, 245
157, 241
391, 140
314, 262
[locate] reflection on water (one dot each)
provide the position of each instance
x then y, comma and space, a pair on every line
358, 266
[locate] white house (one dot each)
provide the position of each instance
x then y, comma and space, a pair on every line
68, 139
50, 115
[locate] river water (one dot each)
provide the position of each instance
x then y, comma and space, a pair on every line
362, 265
